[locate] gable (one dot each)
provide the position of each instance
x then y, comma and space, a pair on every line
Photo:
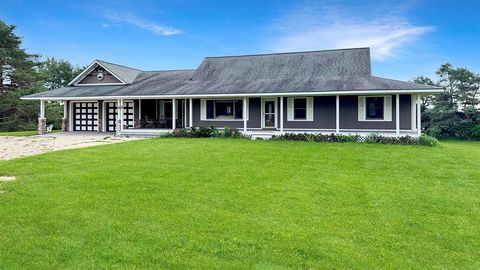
93, 77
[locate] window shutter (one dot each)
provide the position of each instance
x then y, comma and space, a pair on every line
361, 108
203, 109
387, 109
309, 108
289, 109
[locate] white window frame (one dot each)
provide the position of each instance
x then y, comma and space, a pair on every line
387, 108
203, 110
291, 109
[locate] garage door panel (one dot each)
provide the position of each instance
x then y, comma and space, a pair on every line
111, 108
85, 115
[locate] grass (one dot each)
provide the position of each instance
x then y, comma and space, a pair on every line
23, 133
240, 204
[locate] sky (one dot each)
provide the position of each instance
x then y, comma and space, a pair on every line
407, 38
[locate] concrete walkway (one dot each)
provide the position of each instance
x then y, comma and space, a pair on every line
13, 147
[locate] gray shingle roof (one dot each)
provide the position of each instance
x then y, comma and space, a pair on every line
322, 71
299, 66
127, 74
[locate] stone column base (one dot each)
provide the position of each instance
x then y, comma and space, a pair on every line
64, 124
42, 125
118, 125
137, 123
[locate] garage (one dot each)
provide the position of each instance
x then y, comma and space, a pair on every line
111, 114
85, 115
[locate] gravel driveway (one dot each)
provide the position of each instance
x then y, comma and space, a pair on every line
13, 147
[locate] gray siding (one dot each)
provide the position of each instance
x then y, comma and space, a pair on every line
349, 114
218, 124
323, 115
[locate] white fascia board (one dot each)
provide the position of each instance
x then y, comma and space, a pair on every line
89, 69
331, 93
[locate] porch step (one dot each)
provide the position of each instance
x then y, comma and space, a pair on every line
261, 135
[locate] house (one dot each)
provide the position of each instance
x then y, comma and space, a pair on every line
330, 91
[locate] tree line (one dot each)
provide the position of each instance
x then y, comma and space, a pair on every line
455, 113
23, 73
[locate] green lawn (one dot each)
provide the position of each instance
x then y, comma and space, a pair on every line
23, 133
240, 204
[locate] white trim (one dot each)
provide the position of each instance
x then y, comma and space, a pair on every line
190, 113
419, 115
337, 113
104, 118
281, 114
413, 111
72, 120
203, 110
174, 114
262, 105
99, 84
65, 110
42, 109
241, 95
139, 109
70, 115
89, 69
309, 109
244, 116
397, 114
387, 109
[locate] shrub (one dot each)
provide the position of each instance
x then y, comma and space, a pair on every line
372, 138
427, 140
205, 132
475, 133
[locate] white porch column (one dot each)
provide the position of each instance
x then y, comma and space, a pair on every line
397, 114
42, 122
120, 113
337, 114
281, 115
245, 100
413, 112
65, 109
139, 109
42, 109
184, 114
190, 113
419, 115
174, 114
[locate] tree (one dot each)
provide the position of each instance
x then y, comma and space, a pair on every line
57, 73
455, 112
17, 67
27, 75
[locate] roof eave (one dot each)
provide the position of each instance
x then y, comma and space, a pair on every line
327, 93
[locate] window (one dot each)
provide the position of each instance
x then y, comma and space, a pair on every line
300, 109
224, 109
374, 108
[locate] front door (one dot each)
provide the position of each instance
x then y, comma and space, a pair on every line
269, 113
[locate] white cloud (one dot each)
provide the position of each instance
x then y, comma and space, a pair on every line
150, 26
330, 26
105, 25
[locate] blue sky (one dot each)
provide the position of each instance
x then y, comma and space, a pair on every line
408, 38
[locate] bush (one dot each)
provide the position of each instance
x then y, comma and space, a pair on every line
372, 138
427, 140
475, 133
205, 132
